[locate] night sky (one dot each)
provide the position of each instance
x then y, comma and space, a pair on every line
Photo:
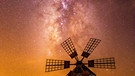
32, 30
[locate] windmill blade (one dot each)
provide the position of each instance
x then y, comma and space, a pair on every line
69, 48
53, 65
107, 63
89, 48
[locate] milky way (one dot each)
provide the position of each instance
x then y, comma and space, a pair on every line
32, 31
66, 18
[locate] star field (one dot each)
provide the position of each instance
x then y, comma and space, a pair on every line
32, 31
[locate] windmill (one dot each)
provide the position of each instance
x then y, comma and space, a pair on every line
81, 69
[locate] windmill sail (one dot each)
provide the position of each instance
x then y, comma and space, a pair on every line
81, 69
53, 65
91, 45
69, 48
107, 63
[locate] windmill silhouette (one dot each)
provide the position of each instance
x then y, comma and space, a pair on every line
81, 69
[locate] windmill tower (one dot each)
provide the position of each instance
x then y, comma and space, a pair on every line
81, 69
